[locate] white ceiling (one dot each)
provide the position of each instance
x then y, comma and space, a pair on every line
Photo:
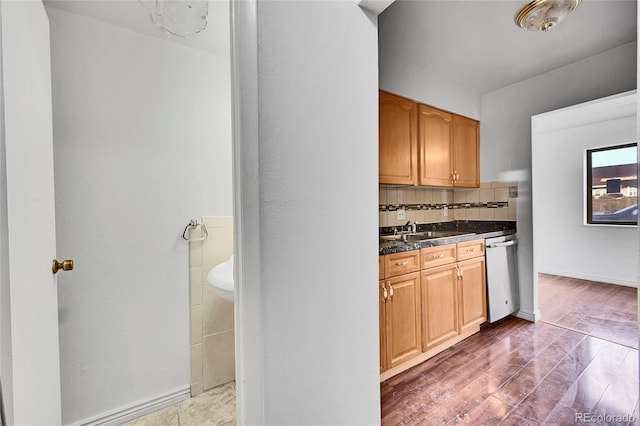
133, 15
478, 45
474, 43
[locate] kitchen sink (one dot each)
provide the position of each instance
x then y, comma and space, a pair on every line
421, 236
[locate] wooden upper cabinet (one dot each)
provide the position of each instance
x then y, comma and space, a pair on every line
398, 140
434, 147
422, 145
466, 152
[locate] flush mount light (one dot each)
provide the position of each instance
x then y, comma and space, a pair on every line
542, 15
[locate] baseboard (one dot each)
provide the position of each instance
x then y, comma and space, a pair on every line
133, 411
533, 317
588, 277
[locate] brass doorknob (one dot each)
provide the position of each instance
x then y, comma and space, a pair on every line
65, 265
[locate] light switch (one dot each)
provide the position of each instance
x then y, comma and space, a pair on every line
401, 214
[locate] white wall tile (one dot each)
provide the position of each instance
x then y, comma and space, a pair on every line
391, 218
195, 285
196, 324
487, 194
512, 209
217, 313
196, 363
219, 359
473, 214
459, 197
195, 253
473, 196
196, 388
410, 196
502, 194
382, 219
392, 196
486, 214
502, 213
213, 314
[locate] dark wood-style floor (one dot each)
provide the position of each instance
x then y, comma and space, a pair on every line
518, 373
601, 310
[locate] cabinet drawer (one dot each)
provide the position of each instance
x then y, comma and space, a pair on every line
380, 267
470, 249
401, 263
437, 255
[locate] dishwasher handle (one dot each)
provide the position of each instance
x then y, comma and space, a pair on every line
505, 244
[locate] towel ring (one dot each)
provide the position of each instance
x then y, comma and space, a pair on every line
186, 234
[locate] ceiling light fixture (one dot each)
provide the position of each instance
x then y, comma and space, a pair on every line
542, 15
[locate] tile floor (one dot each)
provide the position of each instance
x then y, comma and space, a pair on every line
216, 407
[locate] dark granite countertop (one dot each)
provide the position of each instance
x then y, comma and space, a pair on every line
475, 229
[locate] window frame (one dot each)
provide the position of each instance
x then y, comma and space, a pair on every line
589, 186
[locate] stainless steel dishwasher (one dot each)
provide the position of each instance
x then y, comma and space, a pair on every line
502, 277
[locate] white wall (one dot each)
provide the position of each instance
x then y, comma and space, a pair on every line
406, 79
559, 141
318, 91
505, 132
142, 145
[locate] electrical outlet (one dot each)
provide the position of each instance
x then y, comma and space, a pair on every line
401, 214
445, 211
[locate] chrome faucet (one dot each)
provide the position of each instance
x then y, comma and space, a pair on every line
413, 225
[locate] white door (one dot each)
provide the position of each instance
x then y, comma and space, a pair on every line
31, 376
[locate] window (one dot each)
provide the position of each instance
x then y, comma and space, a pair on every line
612, 185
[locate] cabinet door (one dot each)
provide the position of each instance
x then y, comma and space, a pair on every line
472, 293
403, 318
398, 140
434, 136
439, 305
466, 152
382, 308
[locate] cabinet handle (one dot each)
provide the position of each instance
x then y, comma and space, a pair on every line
390, 291
384, 293
403, 263
438, 256
471, 249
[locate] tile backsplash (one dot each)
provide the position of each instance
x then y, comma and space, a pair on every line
492, 201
